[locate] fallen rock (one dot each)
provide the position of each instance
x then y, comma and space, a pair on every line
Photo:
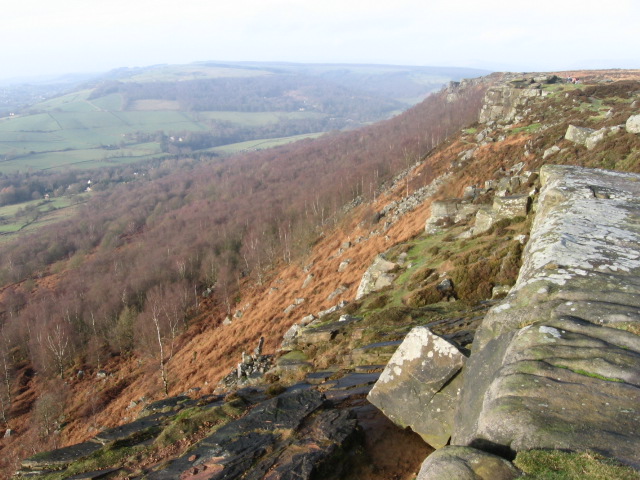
511, 206
633, 124
344, 265
465, 463
417, 371
485, 218
578, 135
376, 277
550, 151
447, 212
307, 281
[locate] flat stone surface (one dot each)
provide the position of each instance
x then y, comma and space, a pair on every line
122, 432
465, 463
95, 475
354, 380
375, 352
418, 370
292, 436
552, 365
324, 332
319, 377
62, 456
167, 404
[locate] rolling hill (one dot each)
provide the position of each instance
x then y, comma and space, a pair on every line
134, 114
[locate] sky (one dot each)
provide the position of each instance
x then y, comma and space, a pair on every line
44, 37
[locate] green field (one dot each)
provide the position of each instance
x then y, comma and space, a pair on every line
253, 145
73, 131
76, 129
48, 211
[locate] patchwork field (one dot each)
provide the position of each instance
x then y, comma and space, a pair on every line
136, 114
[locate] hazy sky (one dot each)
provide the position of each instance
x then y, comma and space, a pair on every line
61, 36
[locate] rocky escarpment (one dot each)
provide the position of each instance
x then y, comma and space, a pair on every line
500, 396
569, 374
556, 365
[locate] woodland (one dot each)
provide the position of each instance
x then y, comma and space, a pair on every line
125, 275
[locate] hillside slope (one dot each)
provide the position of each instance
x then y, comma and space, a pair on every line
138, 114
523, 123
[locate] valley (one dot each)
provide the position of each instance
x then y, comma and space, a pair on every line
160, 289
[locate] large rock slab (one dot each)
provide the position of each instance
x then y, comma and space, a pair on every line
293, 436
145, 427
61, 457
465, 463
408, 390
578, 135
633, 124
553, 365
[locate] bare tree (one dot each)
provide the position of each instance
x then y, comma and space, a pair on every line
163, 320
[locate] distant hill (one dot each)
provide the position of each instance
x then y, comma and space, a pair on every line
131, 114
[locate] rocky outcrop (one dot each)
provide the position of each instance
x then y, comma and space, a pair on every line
263, 441
465, 463
417, 387
502, 101
377, 276
447, 212
553, 365
250, 368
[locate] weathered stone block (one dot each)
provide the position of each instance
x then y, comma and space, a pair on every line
578, 135
465, 463
485, 218
548, 370
407, 389
453, 210
633, 124
369, 283
512, 206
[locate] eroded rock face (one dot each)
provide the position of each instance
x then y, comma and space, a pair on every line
264, 441
552, 365
410, 390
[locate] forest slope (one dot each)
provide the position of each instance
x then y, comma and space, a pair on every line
234, 274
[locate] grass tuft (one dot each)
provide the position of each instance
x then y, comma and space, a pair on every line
558, 465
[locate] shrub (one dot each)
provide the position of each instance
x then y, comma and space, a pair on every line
380, 301
423, 296
418, 278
